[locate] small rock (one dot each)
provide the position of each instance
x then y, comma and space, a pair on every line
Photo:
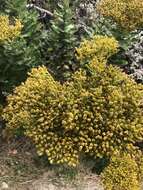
4, 185
51, 187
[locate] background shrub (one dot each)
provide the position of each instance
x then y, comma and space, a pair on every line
97, 113
127, 14
60, 43
123, 20
122, 173
22, 52
101, 47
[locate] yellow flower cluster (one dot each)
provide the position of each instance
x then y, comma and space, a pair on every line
8, 31
96, 115
141, 168
127, 13
121, 174
100, 46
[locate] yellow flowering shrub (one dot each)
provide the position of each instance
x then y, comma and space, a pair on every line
121, 174
100, 46
127, 13
95, 114
9, 31
141, 169
139, 161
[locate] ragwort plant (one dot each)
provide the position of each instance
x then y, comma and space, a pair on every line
121, 174
101, 47
127, 14
9, 31
97, 113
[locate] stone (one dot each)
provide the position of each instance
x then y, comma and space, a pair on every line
4, 185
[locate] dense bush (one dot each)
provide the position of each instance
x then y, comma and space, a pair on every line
9, 31
8, 34
101, 47
32, 29
127, 14
97, 113
21, 53
121, 174
121, 19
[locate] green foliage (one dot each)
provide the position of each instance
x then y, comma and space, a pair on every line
60, 42
121, 174
16, 58
31, 27
52, 4
1, 110
15, 8
2, 5
97, 113
22, 53
120, 19
105, 26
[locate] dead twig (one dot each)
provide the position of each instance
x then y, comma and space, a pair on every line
41, 10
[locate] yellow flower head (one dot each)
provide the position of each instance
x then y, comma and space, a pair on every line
7, 30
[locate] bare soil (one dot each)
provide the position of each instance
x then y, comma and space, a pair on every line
22, 169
